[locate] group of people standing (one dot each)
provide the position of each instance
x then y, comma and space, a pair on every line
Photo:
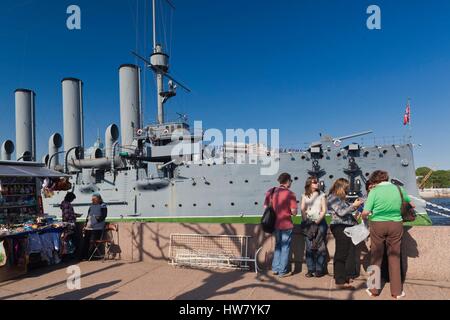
94, 225
381, 207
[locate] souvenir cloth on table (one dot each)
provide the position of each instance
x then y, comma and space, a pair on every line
3, 256
50, 247
34, 243
67, 245
19, 247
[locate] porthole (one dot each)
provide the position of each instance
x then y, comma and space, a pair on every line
331, 177
385, 151
180, 205
231, 182
166, 205
153, 206
295, 178
367, 174
366, 153
256, 203
246, 181
195, 204
303, 157
232, 204
339, 155
209, 204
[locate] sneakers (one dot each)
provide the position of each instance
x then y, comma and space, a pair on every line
372, 292
319, 274
309, 275
274, 273
400, 296
284, 275
345, 286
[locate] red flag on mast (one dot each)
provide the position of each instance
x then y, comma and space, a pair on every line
407, 117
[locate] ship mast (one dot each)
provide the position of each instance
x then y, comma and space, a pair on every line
159, 63
154, 25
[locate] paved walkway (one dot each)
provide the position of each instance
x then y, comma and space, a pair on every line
151, 281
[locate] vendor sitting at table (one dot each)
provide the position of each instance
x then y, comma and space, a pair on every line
95, 224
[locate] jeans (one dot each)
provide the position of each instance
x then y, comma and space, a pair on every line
282, 250
345, 255
316, 259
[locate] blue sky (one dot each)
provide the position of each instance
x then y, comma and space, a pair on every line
302, 66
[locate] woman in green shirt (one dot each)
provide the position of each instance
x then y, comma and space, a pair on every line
383, 208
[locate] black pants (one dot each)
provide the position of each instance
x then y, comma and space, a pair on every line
88, 243
344, 256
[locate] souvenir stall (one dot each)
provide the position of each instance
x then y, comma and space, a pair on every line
27, 235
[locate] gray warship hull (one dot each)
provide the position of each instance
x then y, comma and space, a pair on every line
228, 189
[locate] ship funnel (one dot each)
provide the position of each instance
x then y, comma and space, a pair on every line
111, 136
130, 102
25, 125
54, 143
7, 150
72, 90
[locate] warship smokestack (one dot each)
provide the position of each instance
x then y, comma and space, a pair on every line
111, 136
54, 143
7, 150
72, 90
25, 125
130, 102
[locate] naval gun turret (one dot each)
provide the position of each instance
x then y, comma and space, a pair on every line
327, 145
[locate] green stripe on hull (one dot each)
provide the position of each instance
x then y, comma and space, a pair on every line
422, 220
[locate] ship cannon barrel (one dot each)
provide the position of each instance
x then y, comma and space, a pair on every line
355, 135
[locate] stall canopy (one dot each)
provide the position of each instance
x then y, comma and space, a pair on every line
28, 170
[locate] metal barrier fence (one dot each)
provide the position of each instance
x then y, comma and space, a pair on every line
211, 251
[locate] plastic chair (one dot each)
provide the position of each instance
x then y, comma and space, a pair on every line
111, 247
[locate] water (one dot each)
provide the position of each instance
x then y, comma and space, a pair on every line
440, 220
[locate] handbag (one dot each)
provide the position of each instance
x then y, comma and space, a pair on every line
408, 212
269, 217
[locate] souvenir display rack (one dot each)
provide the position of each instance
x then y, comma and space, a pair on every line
18, 200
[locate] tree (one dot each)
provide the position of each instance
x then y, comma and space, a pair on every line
439, 178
